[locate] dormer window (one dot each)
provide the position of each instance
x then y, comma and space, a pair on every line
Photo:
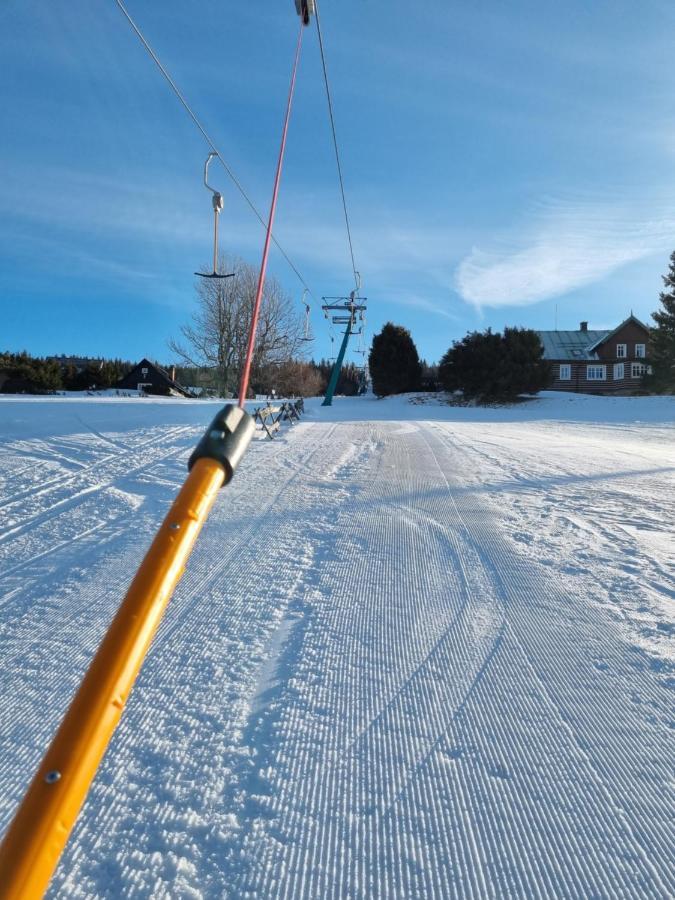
621, 351
640, 351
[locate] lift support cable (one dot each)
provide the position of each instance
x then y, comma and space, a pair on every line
357, 279
176, 90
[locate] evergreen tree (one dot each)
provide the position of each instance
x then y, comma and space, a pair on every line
490, 366
21, 373
661, 354
474, 365
349, 380
429, 378
394, 363
525, 369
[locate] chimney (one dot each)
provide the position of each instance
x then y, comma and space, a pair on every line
583, 326
173, 373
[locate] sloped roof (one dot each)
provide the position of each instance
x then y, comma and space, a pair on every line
148, 364
631, 318
571, 344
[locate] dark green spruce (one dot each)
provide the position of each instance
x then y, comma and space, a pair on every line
492, 367
661, 353
394, 363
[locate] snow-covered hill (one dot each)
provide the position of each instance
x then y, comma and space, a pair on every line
419, 651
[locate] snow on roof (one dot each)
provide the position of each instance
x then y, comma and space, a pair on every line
571, 344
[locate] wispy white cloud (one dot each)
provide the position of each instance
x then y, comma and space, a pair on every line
563, 246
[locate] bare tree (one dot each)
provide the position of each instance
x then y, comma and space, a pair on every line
295, 378
217, 335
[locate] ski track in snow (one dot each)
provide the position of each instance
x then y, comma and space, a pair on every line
426, 658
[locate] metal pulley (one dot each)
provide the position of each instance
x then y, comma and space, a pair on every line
304, 8
217, 200
218, 203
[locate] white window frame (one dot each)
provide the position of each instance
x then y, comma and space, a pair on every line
565, 373
640, 351
637, 370
619, 372
599, 373
621, 351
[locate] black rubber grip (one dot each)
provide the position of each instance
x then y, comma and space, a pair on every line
226, 439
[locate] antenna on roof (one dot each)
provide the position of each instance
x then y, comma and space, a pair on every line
556, 317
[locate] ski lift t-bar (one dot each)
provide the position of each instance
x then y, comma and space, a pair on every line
36, 837
218, 204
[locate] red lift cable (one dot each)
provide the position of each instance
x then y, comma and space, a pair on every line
243, 385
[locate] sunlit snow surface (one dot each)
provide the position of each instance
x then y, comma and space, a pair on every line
419, 651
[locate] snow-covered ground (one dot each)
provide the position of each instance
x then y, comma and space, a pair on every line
419, 651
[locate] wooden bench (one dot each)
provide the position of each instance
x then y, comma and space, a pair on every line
269, 418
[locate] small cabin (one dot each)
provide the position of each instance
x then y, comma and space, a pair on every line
149, 378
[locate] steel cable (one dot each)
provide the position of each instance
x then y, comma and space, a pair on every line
357, 277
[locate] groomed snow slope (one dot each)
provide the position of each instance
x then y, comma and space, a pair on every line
419, 651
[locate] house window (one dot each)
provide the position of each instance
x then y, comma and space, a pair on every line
565, 372
621, 351
637, 370
640, 351
596, 373
618, 371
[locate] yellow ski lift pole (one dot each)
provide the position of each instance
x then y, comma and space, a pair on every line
36, 837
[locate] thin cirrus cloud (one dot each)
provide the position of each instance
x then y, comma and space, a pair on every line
563, 247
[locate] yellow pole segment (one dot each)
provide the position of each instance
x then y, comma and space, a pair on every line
33, 844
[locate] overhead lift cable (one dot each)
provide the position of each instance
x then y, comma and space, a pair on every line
176, 90
345, 312
357, 277
40, 829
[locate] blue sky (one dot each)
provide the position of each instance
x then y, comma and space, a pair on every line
501, 161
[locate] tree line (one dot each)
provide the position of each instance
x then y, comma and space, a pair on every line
21, 373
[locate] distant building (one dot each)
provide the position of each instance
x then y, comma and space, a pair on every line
149, 378
598, 362
79, 363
